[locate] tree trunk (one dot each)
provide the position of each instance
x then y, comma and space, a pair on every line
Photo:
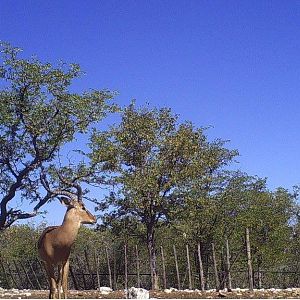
152, 257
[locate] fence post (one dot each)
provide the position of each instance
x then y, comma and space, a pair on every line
126, 267
259, 272
86, 255
19, 275
201, 273
108, 266
27, 276
5, 275
217, 282
115, 269
176, 266
12, 276
34, 274
137, 266
81, 271
250, 270
259, 279
163, 266
74, 278
87, 260
96, 259
228, 275
189, 267
42, 268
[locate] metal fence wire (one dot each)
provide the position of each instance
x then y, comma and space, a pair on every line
119, 268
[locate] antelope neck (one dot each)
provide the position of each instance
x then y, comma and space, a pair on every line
70, 225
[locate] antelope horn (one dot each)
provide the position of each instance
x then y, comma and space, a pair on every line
56, 192
72, 184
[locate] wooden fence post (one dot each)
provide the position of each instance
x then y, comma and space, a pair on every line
201, 273
109, 269
5, 274
189, 267
34, 274
96, 259
82, 272
87, 260
126, 267
19, 275
137, 266
115, 269
12, 276
74, 278
163, 267
228, 275
217, 282
27, 276
43, 271
259, 279
259, 272
250, 270
176, 266
89, 269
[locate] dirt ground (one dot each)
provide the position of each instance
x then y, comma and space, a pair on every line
167, 294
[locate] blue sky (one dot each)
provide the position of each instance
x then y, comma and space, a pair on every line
233, 65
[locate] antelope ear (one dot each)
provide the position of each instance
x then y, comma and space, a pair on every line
65, 201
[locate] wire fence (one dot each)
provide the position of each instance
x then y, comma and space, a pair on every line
124, 266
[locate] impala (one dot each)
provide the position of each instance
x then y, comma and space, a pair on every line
55, 242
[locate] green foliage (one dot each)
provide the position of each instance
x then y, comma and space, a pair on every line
19, 243
156, 164
90, 239
233, 203
167, 173
38, 115
156, 160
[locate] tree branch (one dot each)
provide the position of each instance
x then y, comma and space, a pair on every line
72, 184
13, 189
56, 192
14, 215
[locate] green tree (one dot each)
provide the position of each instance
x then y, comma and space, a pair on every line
246, 202
19, 242
38, 115
155, 160
232, 202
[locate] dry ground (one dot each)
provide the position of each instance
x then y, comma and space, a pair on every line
236, 294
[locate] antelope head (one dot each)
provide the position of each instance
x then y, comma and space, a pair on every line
77, 211
73, 200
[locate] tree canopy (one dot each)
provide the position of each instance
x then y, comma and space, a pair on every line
157, 163
38, 115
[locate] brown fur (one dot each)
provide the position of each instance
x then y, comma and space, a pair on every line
55, 244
